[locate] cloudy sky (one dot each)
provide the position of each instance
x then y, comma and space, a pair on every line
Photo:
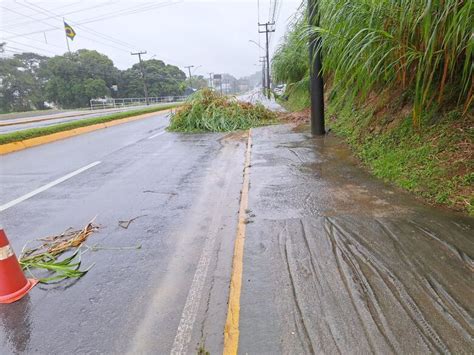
211, 35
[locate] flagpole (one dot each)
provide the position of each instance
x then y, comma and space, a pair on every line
67, 41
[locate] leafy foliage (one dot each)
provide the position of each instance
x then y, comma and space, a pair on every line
47, 255
369, 46
290, 64
20, 82
73, 79
162, 80
29, 80
435, 164
208, 111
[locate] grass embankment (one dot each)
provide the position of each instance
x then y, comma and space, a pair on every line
207, 111
43, 131
435, 163
399, 88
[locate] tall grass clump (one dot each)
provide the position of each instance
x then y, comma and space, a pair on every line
209, 111
290, 64
422, 47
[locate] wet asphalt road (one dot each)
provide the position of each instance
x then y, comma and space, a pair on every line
335, 261
185, 190
51, 118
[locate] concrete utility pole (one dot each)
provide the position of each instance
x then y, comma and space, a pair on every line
190, 75
211, 84
267, 30
264, 82
316, 75
145, 88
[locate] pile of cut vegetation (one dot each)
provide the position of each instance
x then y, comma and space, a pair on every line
209, 111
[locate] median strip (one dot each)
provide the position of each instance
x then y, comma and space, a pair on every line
12, 142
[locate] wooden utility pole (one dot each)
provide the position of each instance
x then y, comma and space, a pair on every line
316, 74
145, 88
267, 30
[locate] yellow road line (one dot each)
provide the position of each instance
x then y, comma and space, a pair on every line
32, 142
231, 330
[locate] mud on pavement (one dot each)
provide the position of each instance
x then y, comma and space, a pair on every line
338, 262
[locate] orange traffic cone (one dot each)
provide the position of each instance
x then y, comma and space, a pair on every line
13, 283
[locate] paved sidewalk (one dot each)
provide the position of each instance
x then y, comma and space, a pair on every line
338, 262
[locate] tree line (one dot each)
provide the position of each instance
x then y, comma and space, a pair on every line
30, 81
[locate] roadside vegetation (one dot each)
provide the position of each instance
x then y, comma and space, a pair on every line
399, 88
208, 111
71, 80
43, 131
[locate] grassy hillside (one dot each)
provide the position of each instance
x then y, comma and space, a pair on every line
399, 83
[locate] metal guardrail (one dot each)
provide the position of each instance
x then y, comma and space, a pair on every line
100, 104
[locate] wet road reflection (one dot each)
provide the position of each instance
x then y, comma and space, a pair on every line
15, 326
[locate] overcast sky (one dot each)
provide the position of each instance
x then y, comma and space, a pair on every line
212, 34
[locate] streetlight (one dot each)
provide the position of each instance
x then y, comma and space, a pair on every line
195, 68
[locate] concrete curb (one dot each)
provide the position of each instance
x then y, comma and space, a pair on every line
33, 142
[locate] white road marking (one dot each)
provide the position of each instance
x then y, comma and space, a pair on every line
156, 135
188, 317
191, 307
46, 187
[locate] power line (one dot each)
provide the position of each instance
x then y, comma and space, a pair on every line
21, 14
109, 16
55, 15
34, 39
130, 12
258, 10
270, 11
30, 46
61, 28
89, 30
17, 24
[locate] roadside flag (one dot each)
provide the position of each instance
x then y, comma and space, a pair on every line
69, 31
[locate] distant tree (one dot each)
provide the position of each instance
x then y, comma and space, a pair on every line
20, 84
162, 80
29, 80
73, 79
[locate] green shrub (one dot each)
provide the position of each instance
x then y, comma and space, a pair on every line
209, 111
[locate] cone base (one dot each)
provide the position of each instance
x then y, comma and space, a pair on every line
15, 296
